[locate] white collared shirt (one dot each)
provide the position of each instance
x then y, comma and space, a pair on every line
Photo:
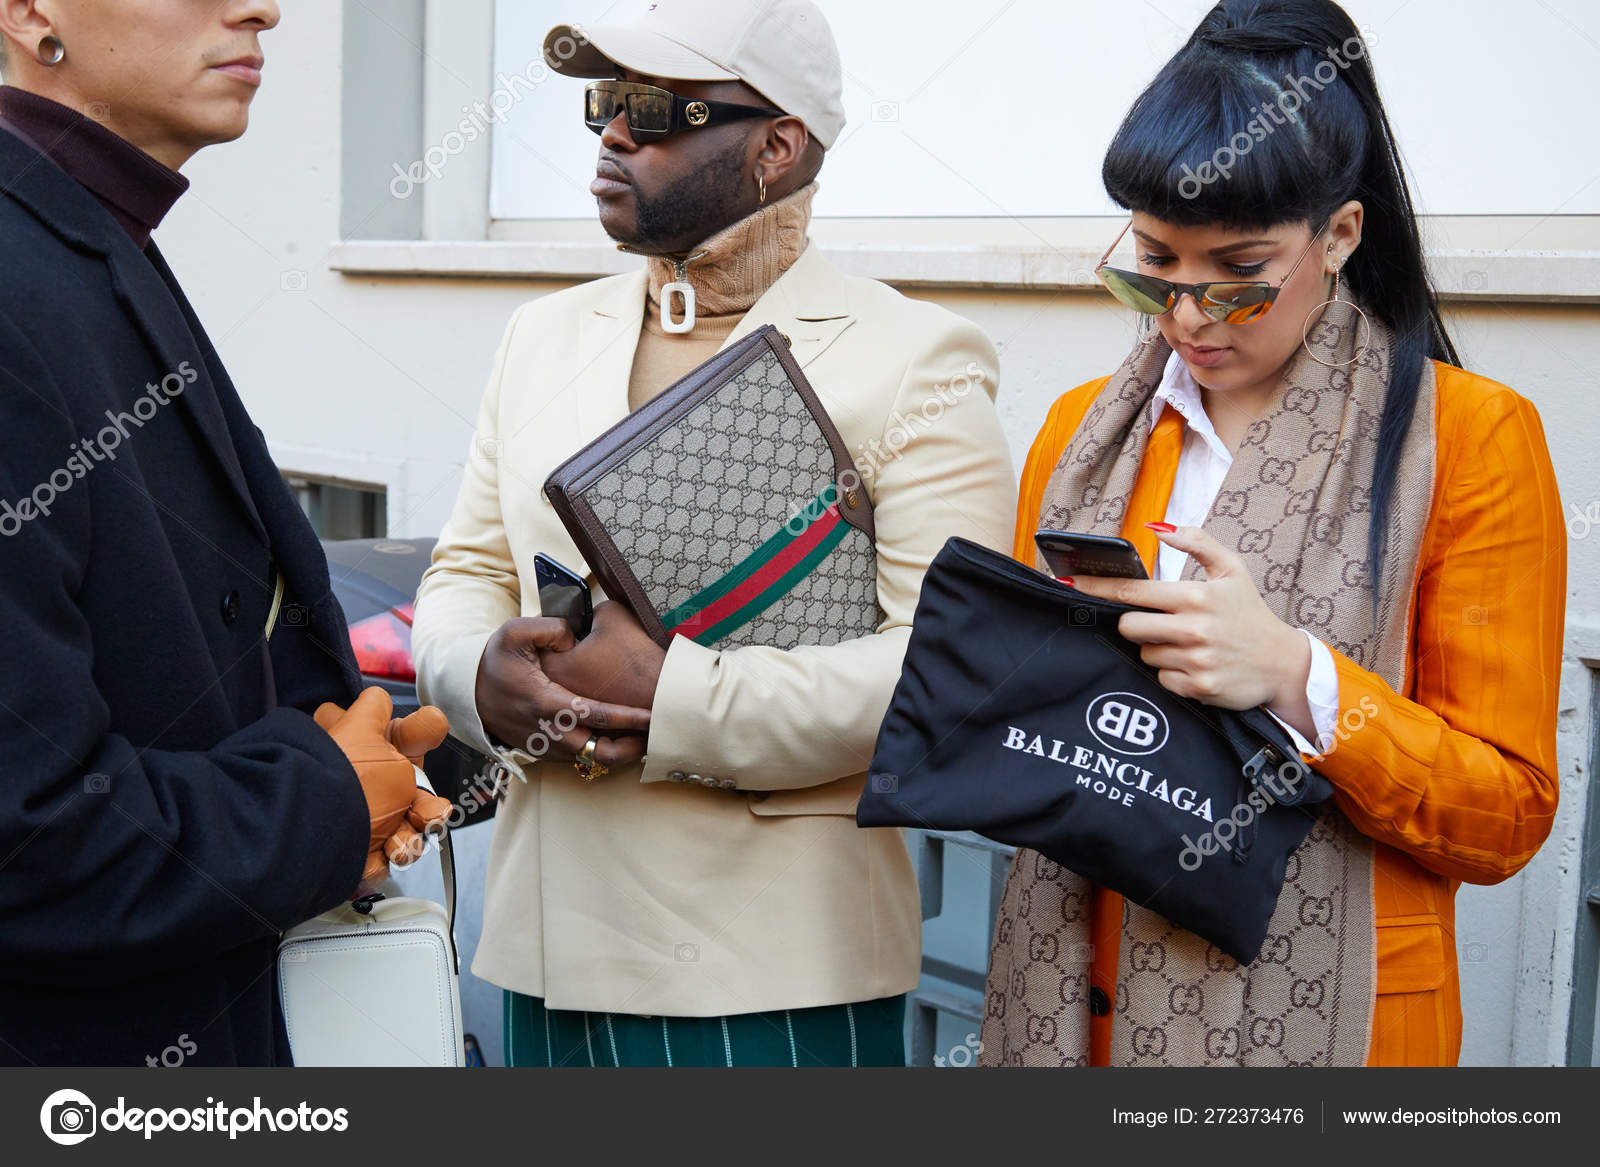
1202, 466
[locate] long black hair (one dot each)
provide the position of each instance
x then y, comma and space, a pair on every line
1315, 136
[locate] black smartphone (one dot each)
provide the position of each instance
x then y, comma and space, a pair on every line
563, 593
1071, 553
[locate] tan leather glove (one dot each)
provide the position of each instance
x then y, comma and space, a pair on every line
385, 771
415, 736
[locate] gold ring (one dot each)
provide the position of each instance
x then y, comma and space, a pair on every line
586, 765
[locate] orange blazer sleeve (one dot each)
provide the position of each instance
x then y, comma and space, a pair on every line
1059, 426
1462, 775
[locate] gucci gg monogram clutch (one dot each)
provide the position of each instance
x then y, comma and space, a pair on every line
728, 509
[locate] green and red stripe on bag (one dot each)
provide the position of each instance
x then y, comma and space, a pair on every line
765, 577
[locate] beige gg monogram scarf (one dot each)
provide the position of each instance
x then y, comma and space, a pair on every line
1294, 504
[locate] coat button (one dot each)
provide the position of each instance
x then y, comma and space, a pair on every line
230, 607
1099, 1003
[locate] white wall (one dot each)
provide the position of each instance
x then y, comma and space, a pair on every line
379, 378
974, 109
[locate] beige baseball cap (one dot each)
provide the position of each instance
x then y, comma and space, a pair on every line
783, 49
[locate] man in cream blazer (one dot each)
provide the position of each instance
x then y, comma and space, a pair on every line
723, 876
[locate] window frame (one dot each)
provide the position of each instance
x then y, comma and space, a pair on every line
410, 72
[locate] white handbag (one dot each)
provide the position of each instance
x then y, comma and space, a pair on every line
376, 982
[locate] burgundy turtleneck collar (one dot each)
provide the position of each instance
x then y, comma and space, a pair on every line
134, 187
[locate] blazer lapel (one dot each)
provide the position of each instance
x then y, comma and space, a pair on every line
809, 304
608, 336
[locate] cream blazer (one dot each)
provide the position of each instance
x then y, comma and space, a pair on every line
659, 888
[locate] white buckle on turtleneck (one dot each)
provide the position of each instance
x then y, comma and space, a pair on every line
680, 284
686, 290
743, 259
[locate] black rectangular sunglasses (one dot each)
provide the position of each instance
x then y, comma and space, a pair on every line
653, 113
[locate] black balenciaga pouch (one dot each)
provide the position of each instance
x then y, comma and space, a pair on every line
1022, 714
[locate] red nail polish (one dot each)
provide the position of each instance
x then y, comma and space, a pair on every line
1066, 579
1166, 527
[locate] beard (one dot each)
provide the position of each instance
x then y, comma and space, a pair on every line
694, 206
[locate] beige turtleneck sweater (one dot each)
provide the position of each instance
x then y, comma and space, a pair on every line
739, 264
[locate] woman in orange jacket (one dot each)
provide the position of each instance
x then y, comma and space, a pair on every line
1340, 525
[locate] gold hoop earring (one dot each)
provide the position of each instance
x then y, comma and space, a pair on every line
51, 50
1305, 329
761, 188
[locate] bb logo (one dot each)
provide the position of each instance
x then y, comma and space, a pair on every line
1127, 724
68, 1117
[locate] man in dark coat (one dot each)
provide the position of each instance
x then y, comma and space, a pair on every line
170, 805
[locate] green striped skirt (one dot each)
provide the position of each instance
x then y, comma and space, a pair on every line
869, 1033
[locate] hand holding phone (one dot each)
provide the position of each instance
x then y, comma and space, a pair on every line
1074, 553
563, 593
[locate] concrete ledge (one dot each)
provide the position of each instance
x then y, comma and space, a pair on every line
1460, 273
